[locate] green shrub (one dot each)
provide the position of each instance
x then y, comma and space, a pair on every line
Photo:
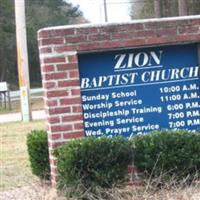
93, 162
168, 152
37, 144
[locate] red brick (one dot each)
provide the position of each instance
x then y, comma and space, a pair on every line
55, 136
49, 85
75, 39
133, 27
55, 144
92, 30
53, 120
68, 66
52, 161
169, 24
68, 83
112, 29
154, 40
58, 93
73, 135
48, 68
133, 42
189, 30
74, 74
77, 109
89, 46
76, 92
72, 118
194, 22
55, 76
54, 60
53, 111
51, 41
70, 101
78, 126
43, 34
61, 128
166, 32
73, 59
110, 44
123, 35
152, 25
64, 49
53, 171
99, 37
51, 103
62, 32
113, 44
45, 50
145, 33
121, 28
169, 40
187, 38
160, 25
133, 35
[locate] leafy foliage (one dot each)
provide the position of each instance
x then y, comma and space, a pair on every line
7, 41
37, 144
93, 162
39, 14
168, 152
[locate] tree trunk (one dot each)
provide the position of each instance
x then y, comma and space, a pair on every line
105, 10
157, 8
182, 7
2, 66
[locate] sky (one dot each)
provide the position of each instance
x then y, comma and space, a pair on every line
118, 10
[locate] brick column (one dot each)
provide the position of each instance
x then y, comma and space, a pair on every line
60, 79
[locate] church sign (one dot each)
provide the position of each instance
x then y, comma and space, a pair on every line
136, 91
120, 79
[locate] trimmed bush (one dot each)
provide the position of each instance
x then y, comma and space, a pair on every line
93, 162
37, 144
168, 152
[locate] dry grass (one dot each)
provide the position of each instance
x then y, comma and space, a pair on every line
15, 170
37, 191
125, 192
36, 104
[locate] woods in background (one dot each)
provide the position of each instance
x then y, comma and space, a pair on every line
142, 9
46, 13
39, 14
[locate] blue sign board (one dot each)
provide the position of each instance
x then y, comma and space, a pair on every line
136, 91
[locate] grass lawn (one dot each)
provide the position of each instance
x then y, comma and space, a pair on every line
36, 104
15, 168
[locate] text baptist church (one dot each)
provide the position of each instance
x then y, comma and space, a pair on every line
140, 61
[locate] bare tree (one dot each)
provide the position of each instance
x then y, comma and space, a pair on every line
182, 7
157, 8
145, 9
105, 10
